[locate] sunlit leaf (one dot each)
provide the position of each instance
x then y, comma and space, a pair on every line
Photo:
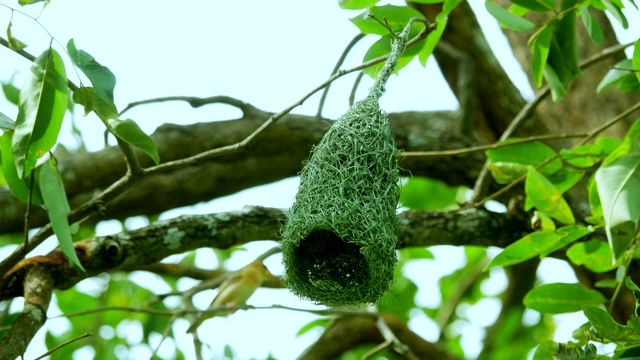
607, 328
101, 77
594, 30
130, 132
546, 198
11, 92
620, 75
536, 5
321, 322
559, 298
569, 235
43, 102
55, 200
428, 194
383, 47
618, 184
540, 50
529, 246
583, 156
6, 123
528, 153
507, 19
14, 43
635, 61
558, 88
356, 4
617, 13
19, 187
595, 255
432, 40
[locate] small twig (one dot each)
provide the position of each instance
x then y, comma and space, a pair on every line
133, 166
627, 261
165, 335
391, 340
272, 251
482, 183
385, 24
376, 350
352, 95
491, 146
63, 345
194, 102
343, 56
591, 136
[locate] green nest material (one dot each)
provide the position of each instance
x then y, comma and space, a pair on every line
339, 242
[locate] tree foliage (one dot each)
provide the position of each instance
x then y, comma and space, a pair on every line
555, 177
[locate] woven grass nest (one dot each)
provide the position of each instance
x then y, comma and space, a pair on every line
339, 241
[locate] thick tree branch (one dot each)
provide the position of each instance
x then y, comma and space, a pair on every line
277, 155
37, 286
346, 332
148, 245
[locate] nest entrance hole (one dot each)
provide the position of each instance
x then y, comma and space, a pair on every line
329, 262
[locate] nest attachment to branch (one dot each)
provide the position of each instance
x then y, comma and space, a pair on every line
339, 241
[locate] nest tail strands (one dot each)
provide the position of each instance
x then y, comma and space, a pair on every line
339, 242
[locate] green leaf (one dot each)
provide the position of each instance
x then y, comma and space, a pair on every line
432, 40
101, 77
428, 194
569, 234
506, 172
536, 5
595, 255
541, 44
559, 298
19, 187
529, 153
583, 156
6, 123
616, 11
427, 1
30, 2
12, 93
14, 43
558, 88
89, 98
594, 30
321, 322
634, 322
526, 248
546, 350
507, 19
43, 102
618, 184
620, 75
635, 61
546, 198
396, 17
607, 328
356, 4
55, 200
383, 47
130, 132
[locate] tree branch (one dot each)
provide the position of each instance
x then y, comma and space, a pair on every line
150, 244
37, 286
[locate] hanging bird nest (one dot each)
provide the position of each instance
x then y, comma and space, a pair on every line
339, 242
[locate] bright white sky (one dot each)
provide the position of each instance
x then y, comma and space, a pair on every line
268, 54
